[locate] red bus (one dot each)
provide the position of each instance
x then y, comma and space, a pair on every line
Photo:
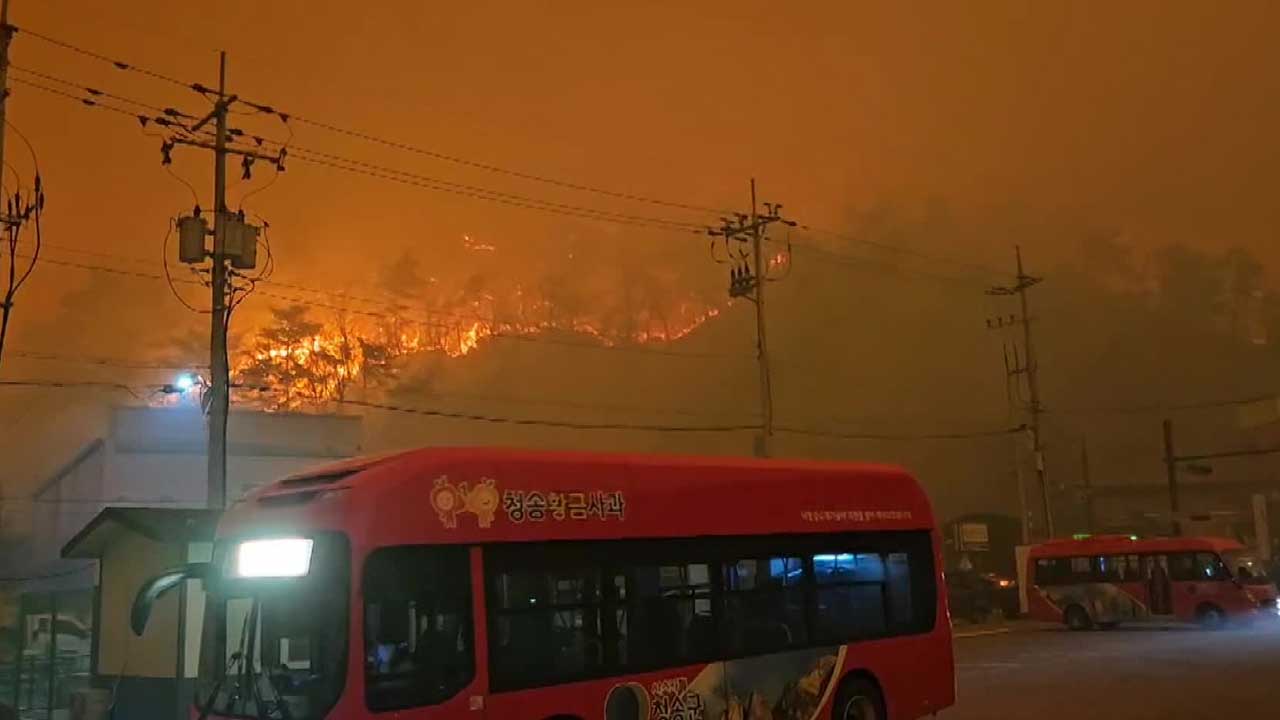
502, 584
1106, 580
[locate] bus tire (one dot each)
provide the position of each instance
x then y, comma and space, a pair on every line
1077, 618
1211, 617
858, 699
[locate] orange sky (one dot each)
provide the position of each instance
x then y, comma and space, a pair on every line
1157, 118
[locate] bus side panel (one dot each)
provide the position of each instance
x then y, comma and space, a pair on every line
1189, 596
1105, 602
698, 690
1041, 607
916, 673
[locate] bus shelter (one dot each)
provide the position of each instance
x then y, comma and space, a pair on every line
149, 677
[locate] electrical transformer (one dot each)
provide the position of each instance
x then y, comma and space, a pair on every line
192, 231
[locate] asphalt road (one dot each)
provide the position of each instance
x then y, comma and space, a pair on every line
1129, 674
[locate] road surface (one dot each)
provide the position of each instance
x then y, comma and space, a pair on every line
1128, 674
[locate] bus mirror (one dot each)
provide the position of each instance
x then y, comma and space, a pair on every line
156, 587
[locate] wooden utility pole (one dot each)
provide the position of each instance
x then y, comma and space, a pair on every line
225, 227
220, 404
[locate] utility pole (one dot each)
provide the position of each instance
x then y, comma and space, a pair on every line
1171, 468
234, 242
6, 37
747, 277
1087, 484
1012, 368
1035, 408
220, 400
762, 345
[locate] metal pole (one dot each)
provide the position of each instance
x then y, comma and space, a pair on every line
53, 652
1088, 485
764, 447
6, 37
1171, 467
1037, 446
1025, 517
220, 402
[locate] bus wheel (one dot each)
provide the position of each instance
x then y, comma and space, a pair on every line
858, 699
1211, 617
1077, 619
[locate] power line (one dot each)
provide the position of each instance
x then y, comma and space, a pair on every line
1162, 407
809, 432
372, 170
855, 261
63, 384
89, 102
550, 423
986, 269
118, 64
626, 348
406, 147
93, 92
116, 363
519, 201
500, 170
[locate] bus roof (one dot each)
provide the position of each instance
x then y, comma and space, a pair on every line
497, 495
1124, 544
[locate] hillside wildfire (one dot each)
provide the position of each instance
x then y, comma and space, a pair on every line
300, 360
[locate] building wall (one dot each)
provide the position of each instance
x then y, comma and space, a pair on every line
156, 456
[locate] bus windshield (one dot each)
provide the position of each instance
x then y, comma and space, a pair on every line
1246, 568
276, 651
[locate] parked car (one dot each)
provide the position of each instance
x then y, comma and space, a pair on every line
977, 597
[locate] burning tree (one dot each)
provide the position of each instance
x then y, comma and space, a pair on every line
303, 361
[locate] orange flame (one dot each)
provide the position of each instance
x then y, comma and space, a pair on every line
308, 364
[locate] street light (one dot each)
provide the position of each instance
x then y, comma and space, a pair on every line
183, 384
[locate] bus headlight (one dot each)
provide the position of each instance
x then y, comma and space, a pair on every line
274, 558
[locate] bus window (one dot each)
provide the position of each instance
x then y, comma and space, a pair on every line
669, 613
850, 596
898, 590
1182, 567
546, 625
763, 605
1208, 566
1081, 570
418, 634
1051, 571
